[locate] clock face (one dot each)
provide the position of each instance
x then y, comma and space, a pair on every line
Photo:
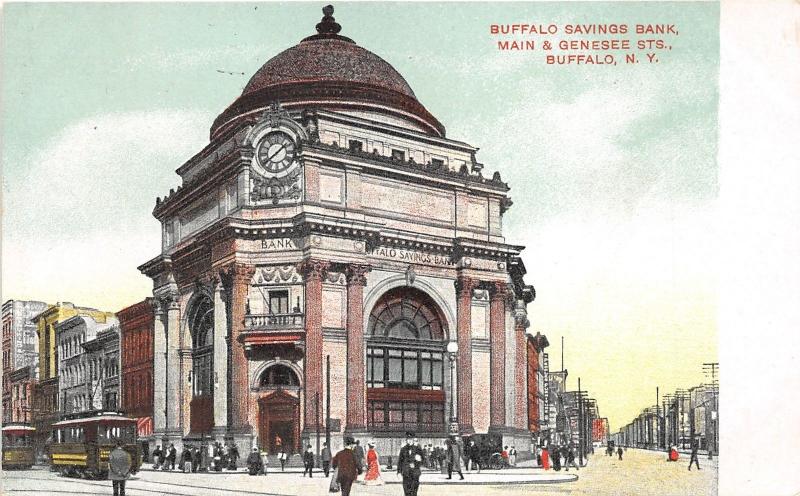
275, 152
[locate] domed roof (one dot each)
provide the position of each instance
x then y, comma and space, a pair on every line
329, 71
328, 59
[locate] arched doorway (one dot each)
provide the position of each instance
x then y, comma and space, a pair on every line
201, 328
406, 342
279, 410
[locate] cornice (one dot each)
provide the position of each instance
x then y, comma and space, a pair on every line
463, 176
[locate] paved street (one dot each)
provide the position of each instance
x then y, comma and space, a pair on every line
640, 473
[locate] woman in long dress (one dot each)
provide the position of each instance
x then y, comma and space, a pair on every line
545, 458
373, 477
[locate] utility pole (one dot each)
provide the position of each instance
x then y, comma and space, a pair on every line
580, 419
316, 404
328, 401
711, 369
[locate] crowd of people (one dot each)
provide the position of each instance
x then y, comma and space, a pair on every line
205, 457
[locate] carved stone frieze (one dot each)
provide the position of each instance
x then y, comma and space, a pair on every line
277, 274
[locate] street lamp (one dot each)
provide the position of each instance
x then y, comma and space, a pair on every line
452, 350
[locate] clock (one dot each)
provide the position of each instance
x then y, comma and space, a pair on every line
275, 152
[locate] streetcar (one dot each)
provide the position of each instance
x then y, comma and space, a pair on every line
18, 445
81, 443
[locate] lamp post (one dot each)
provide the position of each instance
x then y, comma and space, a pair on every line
452, 350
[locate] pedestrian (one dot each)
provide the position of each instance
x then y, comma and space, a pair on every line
308, 462
173, 454
556, 454
358, 451
408, 465
254, 462
474, 456
619, 452
326, 459
346, 470
195, 459
233, 457
504, 456
453, 458
119, 468
512, 456
373, 475
545, 458
693, 457
570, 459
186, 460
264, 461
282, 457
157, 457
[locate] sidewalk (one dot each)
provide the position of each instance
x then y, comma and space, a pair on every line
517, 475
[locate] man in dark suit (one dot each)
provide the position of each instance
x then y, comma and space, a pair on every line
308, 461
408, 465
358, 452
348, 469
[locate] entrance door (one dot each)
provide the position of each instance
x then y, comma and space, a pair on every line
279, 422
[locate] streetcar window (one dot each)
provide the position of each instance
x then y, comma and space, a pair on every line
6, 440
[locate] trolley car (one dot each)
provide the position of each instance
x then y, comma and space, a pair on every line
81, 444
18, 446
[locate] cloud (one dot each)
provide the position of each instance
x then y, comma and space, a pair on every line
79, 207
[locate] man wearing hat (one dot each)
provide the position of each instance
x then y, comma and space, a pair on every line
409, 464
119, 468
348, 469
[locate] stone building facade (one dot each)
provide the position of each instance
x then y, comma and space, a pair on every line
136, 364
19, 347
330, 216
80, 386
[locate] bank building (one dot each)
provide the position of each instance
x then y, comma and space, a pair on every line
330, 216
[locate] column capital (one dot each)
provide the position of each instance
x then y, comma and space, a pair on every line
313, 269
465, 285
236, 273
357, 274
171, 300
499, 290
521, 320
158, 306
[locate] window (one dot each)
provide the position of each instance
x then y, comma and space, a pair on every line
398, 155
405, 351
437, 162
355, 145
278, 375
201, 324
278, 302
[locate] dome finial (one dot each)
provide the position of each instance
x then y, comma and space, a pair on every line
328, 25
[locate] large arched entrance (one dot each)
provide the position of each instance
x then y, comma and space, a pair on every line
406, 342
279, 410
201, 327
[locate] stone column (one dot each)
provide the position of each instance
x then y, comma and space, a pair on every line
237, 277
520, 371
175, 385
314, 272
356, 383
497, 343
464, 288
220, 357
159, 368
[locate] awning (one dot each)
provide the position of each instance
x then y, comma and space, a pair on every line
144, 426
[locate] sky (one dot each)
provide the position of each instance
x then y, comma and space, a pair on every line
612, 168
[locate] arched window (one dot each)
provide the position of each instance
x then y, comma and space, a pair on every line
277, 376
406, 340
201, 326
